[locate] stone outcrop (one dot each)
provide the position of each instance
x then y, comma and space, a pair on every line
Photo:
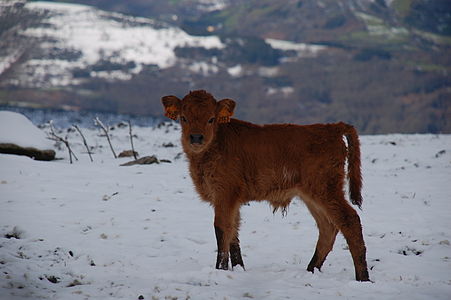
34, 153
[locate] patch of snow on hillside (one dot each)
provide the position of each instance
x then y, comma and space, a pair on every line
211, 5
303, 49
17, 129
52, 72
102, 36
203, 68
235, 71
377, 27
7, 61
268, 71
284, 91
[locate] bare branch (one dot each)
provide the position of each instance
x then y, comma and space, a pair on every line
131, 139
84, 141
53, 136
105, 130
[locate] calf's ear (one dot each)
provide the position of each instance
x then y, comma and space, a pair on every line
171, 106
224, 110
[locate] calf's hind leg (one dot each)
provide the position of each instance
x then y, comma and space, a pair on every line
326, 238
347, 221
235, 250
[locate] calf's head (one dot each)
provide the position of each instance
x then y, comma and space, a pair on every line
199, 114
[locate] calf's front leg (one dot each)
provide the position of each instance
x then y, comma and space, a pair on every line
222, 260
226, 213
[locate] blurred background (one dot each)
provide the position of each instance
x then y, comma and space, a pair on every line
382, 65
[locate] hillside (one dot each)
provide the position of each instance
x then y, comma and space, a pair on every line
380, 65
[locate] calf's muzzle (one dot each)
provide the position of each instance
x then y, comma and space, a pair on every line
196, 138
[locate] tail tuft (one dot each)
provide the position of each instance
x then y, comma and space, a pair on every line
354, 165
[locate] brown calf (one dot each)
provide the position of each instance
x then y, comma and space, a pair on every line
233, 162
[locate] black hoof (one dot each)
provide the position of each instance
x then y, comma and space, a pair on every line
222, 261
235, 256
363, 276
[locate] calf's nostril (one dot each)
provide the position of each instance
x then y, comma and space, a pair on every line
196, 138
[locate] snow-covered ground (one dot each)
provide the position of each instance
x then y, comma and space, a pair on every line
103, 231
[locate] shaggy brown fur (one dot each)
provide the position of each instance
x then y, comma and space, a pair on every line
233, 162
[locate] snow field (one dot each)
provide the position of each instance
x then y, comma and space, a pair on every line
103, 231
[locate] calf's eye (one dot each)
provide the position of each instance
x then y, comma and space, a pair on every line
183, 119
211, 120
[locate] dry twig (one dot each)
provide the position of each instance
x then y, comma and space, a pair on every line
53, 136
84, 141
131, 139
105, 130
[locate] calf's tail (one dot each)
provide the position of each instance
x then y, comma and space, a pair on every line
354, 165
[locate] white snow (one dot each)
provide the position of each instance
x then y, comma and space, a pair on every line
268, 71
102, 231
235, 71
285, 91
105, 36
211, 5
7, 61
17, 129
203, 68
377, 27
303, 49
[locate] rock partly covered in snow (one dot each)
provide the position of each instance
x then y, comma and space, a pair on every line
19, 136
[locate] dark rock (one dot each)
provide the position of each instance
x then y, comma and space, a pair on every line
74, 283
128, 153
440, 153
168, 145
122, 124
27, 151
15, 233
146, 160
53, 279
